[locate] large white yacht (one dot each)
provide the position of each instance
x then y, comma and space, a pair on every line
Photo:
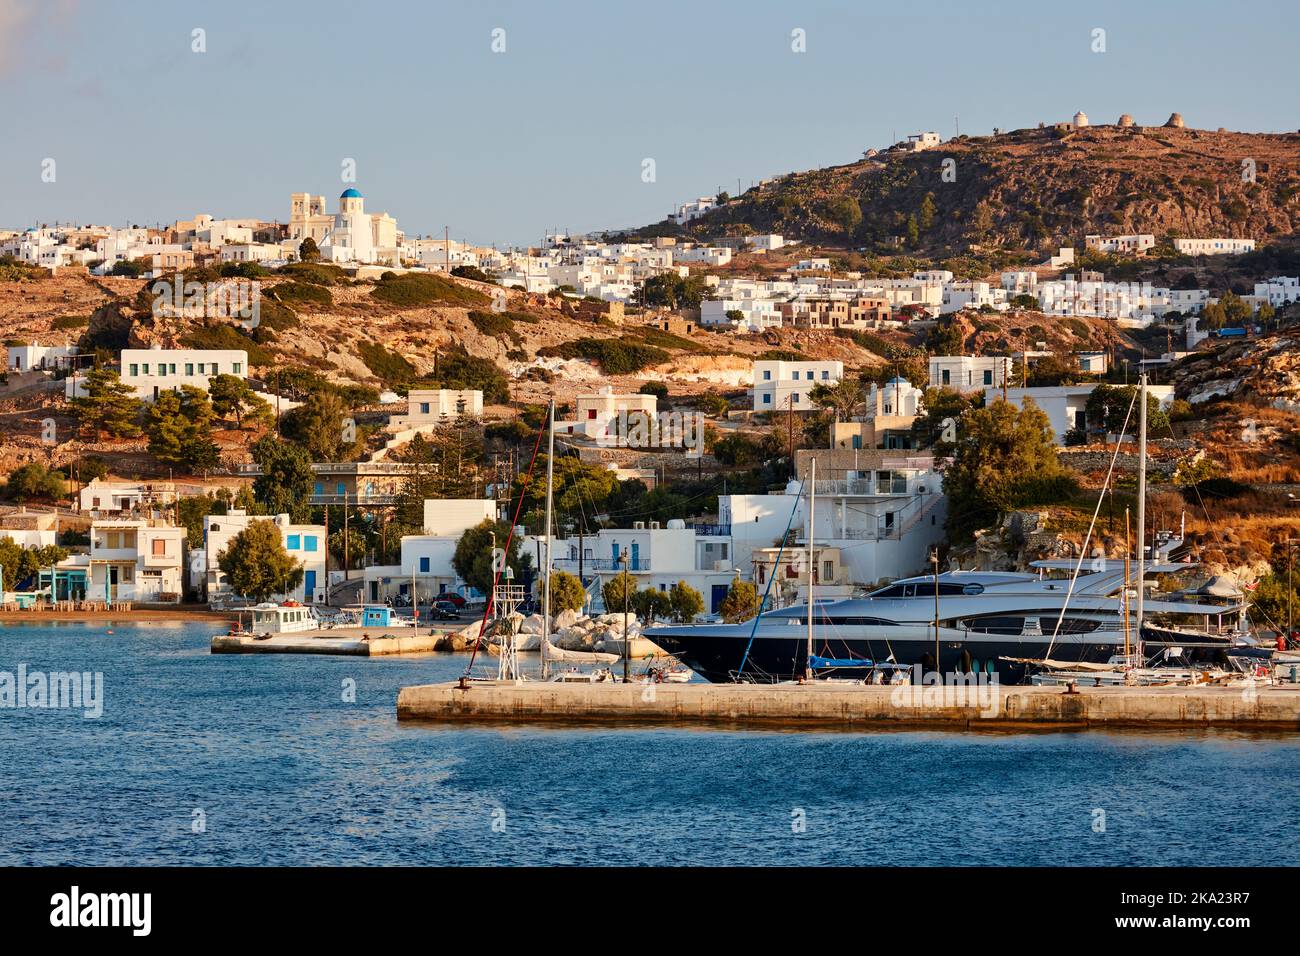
988, 621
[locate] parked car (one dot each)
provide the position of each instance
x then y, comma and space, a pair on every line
445, 611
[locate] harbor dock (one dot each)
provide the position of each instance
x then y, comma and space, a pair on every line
822, 705
348, 641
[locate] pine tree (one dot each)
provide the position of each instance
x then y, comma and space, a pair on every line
109, 406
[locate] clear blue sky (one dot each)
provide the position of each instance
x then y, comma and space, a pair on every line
552, 133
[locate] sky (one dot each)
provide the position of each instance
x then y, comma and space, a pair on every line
552, 129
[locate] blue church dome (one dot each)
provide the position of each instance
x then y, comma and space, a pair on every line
351, 193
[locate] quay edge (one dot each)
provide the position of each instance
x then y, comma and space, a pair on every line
795, 706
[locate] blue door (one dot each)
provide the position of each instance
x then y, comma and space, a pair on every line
309, 586
636, 556
719, 595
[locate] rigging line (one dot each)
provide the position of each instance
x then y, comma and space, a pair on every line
487, 607
1083, 548
776, 569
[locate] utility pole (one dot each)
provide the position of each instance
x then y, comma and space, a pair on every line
627, 641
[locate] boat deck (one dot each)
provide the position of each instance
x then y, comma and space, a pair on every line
352, 641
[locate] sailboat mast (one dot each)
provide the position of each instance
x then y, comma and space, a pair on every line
812, 567
546, 568
1141, 508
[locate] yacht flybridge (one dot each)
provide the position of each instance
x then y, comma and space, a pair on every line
984, 617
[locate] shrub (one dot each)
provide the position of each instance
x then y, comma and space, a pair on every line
388, 366
226, 337
615, 356
492, 323
306, 293
416, 289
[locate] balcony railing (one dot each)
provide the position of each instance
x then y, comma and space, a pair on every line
712, 530
602, 564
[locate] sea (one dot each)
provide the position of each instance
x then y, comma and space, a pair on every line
201, 759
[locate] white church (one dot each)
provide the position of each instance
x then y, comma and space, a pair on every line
351, 235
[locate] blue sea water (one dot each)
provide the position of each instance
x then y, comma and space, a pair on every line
279, 769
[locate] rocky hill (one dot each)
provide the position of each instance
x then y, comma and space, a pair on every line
1030, 189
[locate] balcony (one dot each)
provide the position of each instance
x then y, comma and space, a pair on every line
602, 564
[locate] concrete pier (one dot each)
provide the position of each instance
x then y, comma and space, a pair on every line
348, 641
856, 706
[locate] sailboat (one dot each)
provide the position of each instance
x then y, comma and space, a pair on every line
551, 654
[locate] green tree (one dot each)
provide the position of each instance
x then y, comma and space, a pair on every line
1004, 457
232, 395
34, 480
614, 590
473, 559
913, 232
318, 426
286, 483
179, 425
685, 602
354, 544
741, 602
108, 406
941, 410
308, 250
256, 565
190, 512
651, 604
926, 219
1108, 404
567, 593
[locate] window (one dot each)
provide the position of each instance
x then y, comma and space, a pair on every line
318, 489
202, 366
238, 368
424, 565
767, 398
189, 368
340, 488
828, 570
293, 542
826, 375
794, 398
947, 377
808, 375
309, 542
173, 368
424, 408
145, 366
135, 369
988, 376
159, 547
767, 375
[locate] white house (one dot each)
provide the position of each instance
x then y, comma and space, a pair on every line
305, 542
154, 371
24, 358
135, 560
1065, 405
598, 413
657, 557
964, 372
432, 406
693, 210
426, 558
1131, 245
781, 385
1218, 246
1279, 291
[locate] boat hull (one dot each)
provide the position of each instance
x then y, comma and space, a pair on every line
723, 653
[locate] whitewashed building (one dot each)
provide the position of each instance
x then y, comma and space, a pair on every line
306, 543
1218, 246
782, 385
964, 372
136, 560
